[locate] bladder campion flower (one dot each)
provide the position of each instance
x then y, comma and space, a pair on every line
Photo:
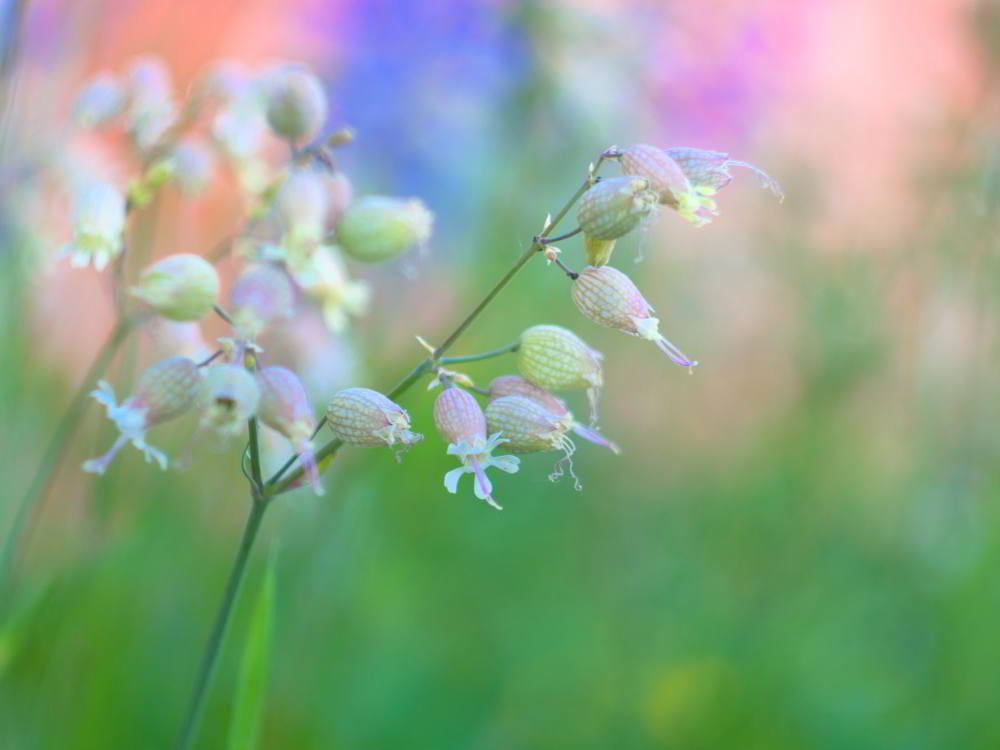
323, 276
302, 204
529, 427
609, 298
708, 171
193, 165
296, 103
515, 385
614, 207
98, 224
228, 397
556, 359
262, 295
377, 228
285, 407
180, 287
462, 423
151, 109
99, 102
164, 391
361, 416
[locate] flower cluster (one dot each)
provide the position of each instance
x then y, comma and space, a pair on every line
309, 229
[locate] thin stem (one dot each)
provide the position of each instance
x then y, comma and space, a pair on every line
566, 269
58, 444
561, 237
222, 314
276, 485
491, 354
255, 456
214, 644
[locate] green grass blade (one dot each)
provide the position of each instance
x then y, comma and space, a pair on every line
252, 688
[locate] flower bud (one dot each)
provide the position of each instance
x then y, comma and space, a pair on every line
462, 423
614, 207
296, 104
514, 385
164, 391
181, 287
100, 101
193, 166
98, 225
260, 296
529, 428
556, 359
376, 228
361, 416
324, 278
664, 175
228, 397
302, 204
609, 298
285, 407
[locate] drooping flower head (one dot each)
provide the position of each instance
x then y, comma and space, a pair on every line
614, 207
340, 195
296, 103
323, 276
98, 224
302, 205
531, 428
376, 228
285, 407
227, 398
361, 416
708, 171
193, 165
181, 287
151, 109
609, 298
462, 423
556, 359
164, 391
515, 385
99, 102
262, 295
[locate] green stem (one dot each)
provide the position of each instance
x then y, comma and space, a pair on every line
491, 354
276, 485
255, 471
214, 644
57, 446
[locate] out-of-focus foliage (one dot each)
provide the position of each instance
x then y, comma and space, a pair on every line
797, 547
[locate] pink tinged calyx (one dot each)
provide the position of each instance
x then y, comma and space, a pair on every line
228, 397
262, 295
669, 181
515, 385
461, 422
361, 416
530, 428
285, 407
164, 391
609, 298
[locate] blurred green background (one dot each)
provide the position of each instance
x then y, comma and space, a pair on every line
797, 548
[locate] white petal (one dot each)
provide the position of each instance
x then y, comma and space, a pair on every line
451, 479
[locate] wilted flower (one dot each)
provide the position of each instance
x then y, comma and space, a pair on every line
99, 102
614, 207
228, 397
193, 165
181, 287
262, 295
514, 385
361, 416
555, 358
462, 423
98, 224
323, 277
708, 171
609, 298
296, 103
302, 205
284, 407
151, 109
528, 427
376, 228
164, 391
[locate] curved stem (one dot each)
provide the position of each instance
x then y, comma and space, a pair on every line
57, 445
215, 638
491, 354
276, 485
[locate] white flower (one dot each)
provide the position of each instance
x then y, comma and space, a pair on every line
476, 457
98, 225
